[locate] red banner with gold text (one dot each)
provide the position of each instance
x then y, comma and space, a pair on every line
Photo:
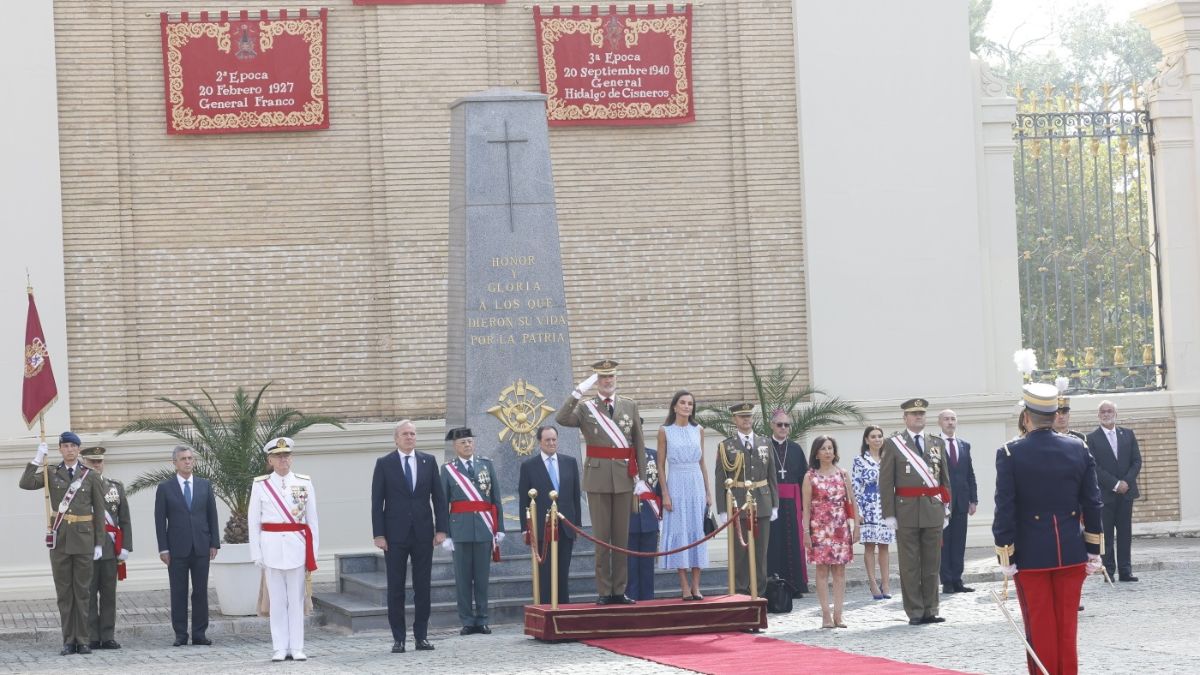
614, 67
235, 73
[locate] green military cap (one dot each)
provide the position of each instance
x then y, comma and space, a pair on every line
1040, 397
742, 409
914, 405
94, 452
459, 432
605, 367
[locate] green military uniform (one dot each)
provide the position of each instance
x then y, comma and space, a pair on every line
919, 519
79, 533
752, 468
607, 481
472, 539
102, 592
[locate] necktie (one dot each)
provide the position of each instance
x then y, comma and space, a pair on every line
471, 469
747, 442
71, 473
552, 466
408, 476
953, 453
608, 402
1112, 440
187, 493
917, 442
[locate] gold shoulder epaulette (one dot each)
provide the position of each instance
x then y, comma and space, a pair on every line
302, 476
261, 478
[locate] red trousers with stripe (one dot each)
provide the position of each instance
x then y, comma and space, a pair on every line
1050, 607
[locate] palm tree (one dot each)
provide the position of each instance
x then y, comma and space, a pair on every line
775, 392
228, 450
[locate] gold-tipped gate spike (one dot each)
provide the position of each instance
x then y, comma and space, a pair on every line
752, 511
531, 519
1147, 355
1118, 356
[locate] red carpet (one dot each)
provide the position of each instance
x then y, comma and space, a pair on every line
742, 653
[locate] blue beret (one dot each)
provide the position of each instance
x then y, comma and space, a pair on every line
69, 437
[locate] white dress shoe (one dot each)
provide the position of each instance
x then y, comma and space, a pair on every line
299, 656
278, 656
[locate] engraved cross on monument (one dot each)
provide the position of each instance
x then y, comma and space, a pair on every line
508, 344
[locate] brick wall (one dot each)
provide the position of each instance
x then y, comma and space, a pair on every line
318, 260
1158, 482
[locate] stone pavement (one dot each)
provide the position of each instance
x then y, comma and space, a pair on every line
1150, 626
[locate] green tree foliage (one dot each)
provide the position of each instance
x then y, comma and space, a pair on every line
228, 449
779, 390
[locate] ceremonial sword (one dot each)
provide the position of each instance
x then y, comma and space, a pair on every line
1020, 634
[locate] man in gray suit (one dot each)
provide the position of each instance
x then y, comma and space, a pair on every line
613, 472
476, 521
914, 490
1118, 463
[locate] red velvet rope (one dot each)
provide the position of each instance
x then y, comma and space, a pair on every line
652, 554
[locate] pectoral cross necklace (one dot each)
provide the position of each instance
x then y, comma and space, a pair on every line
783, 462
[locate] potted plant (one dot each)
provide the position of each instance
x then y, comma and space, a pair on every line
229, 454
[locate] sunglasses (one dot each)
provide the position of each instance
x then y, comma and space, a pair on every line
783, 424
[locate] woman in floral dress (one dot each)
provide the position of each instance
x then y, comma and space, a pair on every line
875, 535
829, 506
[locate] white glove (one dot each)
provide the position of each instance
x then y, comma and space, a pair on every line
448, 544
97, 552
640, 487
499, 537
890, 522
259, 563
41, 453
1094, 564
1009, 570
722, 518
584, 386
124, 555
774, 514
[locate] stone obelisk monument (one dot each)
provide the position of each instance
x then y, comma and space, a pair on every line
508, 343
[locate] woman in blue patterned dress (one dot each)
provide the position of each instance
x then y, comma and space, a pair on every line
685, 492
875, 534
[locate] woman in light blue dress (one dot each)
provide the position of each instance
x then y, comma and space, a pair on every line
875, 534
685, 491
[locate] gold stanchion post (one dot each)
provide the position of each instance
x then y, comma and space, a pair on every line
753, 513
554, 549
729, 532
531, 519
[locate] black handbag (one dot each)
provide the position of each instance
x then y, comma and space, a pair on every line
710, 523
779, 595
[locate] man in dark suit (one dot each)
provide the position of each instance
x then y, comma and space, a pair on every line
544, 472
964, 500
1118, 463
185, 519
408, 518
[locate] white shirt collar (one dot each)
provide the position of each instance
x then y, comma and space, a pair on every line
546, 458
947, 438
181, 479
403, 454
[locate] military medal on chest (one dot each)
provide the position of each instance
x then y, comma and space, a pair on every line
626, 423
299, 501
762, 454
484, 480
651, 472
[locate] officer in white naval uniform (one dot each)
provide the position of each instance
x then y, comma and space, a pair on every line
284, 541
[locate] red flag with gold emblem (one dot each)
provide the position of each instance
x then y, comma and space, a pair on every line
39, 391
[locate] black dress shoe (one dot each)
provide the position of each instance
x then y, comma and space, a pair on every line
201, 641
1081, 608
485, 629
424, 645
947, 588
623, 600
1127, 577
398, 647
467, 630
933, 619
180, 641
67, 649
916, 622
604, 600
963, 589
94, 645
83, 649
109, 644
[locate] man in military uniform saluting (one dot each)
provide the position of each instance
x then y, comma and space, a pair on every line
749, 460
75, 534
613, 470
102, 611
1044, 483
284, 540
476, 524
914, 491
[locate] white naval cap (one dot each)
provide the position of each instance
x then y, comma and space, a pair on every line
278, 446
